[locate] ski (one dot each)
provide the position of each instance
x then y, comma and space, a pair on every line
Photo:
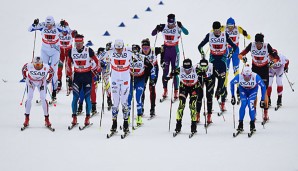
151, 117
192, 134
221, 112
52, 102
24, 127
111, 134
72, 126
235, 134
50, 128
85, 126
93, 114
138, 126
125, 135
277, 107
251, 133
175, 133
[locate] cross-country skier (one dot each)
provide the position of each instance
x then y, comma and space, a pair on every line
151, 55
81, 57
37, 75
263, 57
218, 41
278, 68
248, 87
50, 50
171, 34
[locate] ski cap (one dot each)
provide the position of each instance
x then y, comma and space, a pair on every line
119, 44
216, 25
187, 64
79, 38
171, 18
259, 37
37, 62
230, 21
145, 42
203, 65
246, 72
50, 20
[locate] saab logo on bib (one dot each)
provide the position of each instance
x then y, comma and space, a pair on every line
37, 73
79, 56
171, 31
50, 31
217, 40
257, 52
188, 76
244, 84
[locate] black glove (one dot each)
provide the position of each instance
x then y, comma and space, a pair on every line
270, 64
163, 65
286, 69
233, 100
262, 104
62, 23
230, 54
108, 46
158, 28
244, 33
135, 48
244, 59
152, 82
100, 50
179, 24
202, 53
74, 33
35, 22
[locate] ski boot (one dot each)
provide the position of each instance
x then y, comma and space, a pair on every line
47, 121
209, 120
176, 94
193, 126
87, 120
240, 126
74, 119
110, 104
54, 93
198, 117
125, 126
80, 109
266, 117
139, 120
279, 100
165, 92
222, 106
252, 126
93, 110
269, 101
59, 86
152, 112
114, 126
26, 123
178, 126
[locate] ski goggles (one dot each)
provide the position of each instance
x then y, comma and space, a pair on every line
230, 26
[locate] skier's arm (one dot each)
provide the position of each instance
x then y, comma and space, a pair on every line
202, 44
273, 56
157, 29
229, 40
69, 63
24, 71
243, 32
262, 85
51, 74
244, 52
234, 81
39, 27
183, 29
94, 57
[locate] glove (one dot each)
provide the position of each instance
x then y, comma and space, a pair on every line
233, 100
108, 46
230, 54
163, 65
74, 33
158, 28
69, 81
48, 81
35, 22
152, 82
270, 64
103, 64
62, 23
286, 69
135, 48
202, 53
245, 33
244, 59
100, 50
262, 104
179, 24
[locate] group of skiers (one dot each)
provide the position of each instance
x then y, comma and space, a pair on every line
125, 69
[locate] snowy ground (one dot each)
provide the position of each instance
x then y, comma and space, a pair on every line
151, 147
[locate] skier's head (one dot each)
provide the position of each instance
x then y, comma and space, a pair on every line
64, 31
49, 22
135, 48
171, 20
230, 23
259, 40
79, 41
119, 45
187, 65
246, 72
37, 62
146, 45
203, 65
216, 28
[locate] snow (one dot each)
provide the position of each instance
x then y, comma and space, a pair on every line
151, 147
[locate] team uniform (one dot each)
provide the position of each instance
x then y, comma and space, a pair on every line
50, 50
82, 78
248, 87
171, 37
218, 48
137, 83
261, 62
277, 70
205, 77
37, 78
188, 86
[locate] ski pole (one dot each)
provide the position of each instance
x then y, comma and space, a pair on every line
234, 115
155, 41
204, 104
50, 96
290, 83
182, 48
263, 118
219, 103
171, 105
133, 99
23, 95
34, 45
103, 97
